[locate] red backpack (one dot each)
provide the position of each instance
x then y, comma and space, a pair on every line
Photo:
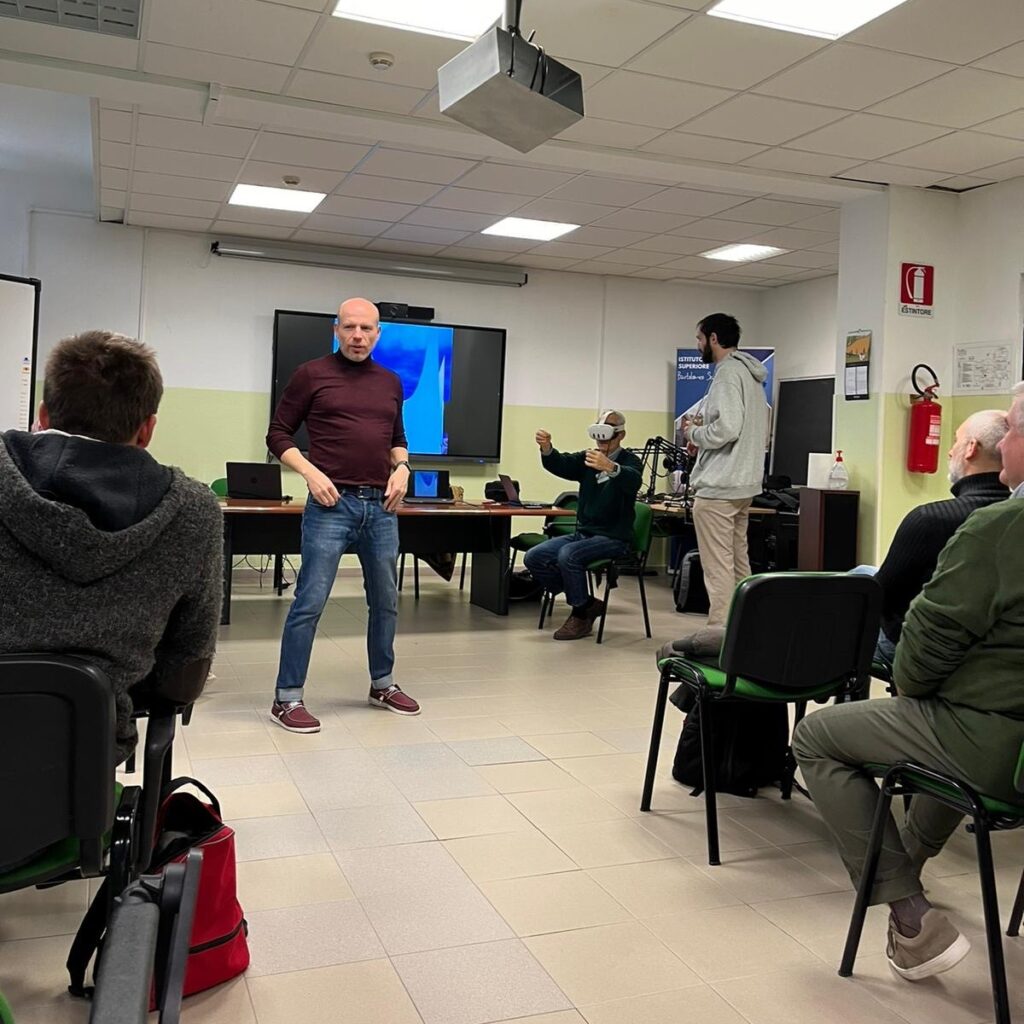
218, 950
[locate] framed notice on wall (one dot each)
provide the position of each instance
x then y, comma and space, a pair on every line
983, 368
19, 334
856, 374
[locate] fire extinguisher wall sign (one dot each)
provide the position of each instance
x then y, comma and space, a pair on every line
917, 289
924, 437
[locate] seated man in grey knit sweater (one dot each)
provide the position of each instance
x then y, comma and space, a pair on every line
104, 552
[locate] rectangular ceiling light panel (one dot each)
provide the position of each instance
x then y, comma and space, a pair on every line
276, 198
521, 227
743, 253
455, 19
828, 20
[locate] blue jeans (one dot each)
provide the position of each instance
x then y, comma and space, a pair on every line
561, 563
363, 527
885, 649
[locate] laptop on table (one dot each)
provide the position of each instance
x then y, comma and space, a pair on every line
254, 480
429, 487
512, 495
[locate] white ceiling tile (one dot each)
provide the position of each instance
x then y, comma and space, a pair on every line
343, 47
603, 268
672, 245
701, 147
173, 133
238, 227
393, 190
946, 29
867, 137
691, 265
606, 32
1011, 126
796, 162
197, 66
637, 257
114, 177
960, 153
258, 215
460, 220
589, 235
110, 105
692, 246
732, 278
852, 77
405, 248
187, 188
804, 258
762, 270
311, 179
649, 100
115, 126
175, 205
657, 274
345, 225
238, 28
320, 6
1007, 62
827, 221
1004, 171
497, 243
762, 119
414, 233
605, 191
532, 259
393, 163
690, 201
163, 220
355, 92
460, 252
278, 148
116, 154
831, 247
697, 52
191, 165
963, 182
642, 220
69, 44
563, 211
723, 230
790, 238
117, 198
890, 174
571, 249
518, 180
769, 211
592, 131
367, 209
962, 98
476, 201
331, 238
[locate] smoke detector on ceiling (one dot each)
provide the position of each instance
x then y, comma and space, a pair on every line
291, 179
381, 61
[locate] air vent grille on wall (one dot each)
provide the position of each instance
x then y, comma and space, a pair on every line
110, 17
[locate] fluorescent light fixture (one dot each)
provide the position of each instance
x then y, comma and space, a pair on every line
276, 198
454, 19
520, 227
828, 19
743, 253
370, 263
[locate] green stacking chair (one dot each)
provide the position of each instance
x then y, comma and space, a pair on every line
986, 815
6, 1016
790, 638
554, 526
220, 487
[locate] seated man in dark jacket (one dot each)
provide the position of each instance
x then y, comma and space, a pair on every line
106, 553
974, 465
609, 478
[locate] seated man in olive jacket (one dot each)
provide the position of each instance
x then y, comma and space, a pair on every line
959, 673
609, 478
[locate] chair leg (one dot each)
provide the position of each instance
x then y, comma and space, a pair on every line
462, 575
129, 765
990, 904
604, 610
416, 576
789, 768
512, 564
867, 882
643, 599
401, 572
1017, 913
656, 727
707, 765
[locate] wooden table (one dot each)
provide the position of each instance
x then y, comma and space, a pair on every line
275, 528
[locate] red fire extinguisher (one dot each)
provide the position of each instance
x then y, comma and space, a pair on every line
925, 425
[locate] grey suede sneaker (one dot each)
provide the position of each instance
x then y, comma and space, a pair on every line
936, 948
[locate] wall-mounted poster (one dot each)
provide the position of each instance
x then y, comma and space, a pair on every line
856, 376
983, 368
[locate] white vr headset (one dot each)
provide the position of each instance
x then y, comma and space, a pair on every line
602, 431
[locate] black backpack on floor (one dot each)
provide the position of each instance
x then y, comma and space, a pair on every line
750, 742
690, 592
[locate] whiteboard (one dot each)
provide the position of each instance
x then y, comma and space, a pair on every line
19, 334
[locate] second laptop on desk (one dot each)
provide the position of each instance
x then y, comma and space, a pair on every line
429, 487
512, 495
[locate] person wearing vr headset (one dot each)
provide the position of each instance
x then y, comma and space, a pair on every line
609, 478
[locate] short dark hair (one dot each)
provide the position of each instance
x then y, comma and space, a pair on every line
726, 328
102, 385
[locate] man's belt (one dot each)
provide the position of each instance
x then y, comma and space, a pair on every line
362, 491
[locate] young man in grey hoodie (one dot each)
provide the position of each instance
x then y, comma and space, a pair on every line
105, 553
727, 434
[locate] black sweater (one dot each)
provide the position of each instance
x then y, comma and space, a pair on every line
920, 539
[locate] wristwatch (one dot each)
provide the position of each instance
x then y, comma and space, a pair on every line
403, 463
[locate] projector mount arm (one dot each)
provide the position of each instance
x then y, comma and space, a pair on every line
510, 19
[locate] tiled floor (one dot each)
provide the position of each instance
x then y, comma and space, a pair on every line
488, 862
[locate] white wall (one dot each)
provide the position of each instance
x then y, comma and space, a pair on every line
800, 321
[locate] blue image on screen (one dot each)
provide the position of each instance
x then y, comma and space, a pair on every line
426, 483
421, 355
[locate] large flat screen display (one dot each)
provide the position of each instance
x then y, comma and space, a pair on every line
452, 379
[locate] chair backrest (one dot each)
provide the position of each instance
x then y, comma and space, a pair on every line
556, 526
57, 756
220, 487
642, 522
801, 631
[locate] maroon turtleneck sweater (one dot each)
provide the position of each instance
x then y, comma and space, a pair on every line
353, 414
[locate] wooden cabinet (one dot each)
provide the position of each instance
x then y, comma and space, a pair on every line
828, 530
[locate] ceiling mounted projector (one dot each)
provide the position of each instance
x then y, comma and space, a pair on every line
505, 87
